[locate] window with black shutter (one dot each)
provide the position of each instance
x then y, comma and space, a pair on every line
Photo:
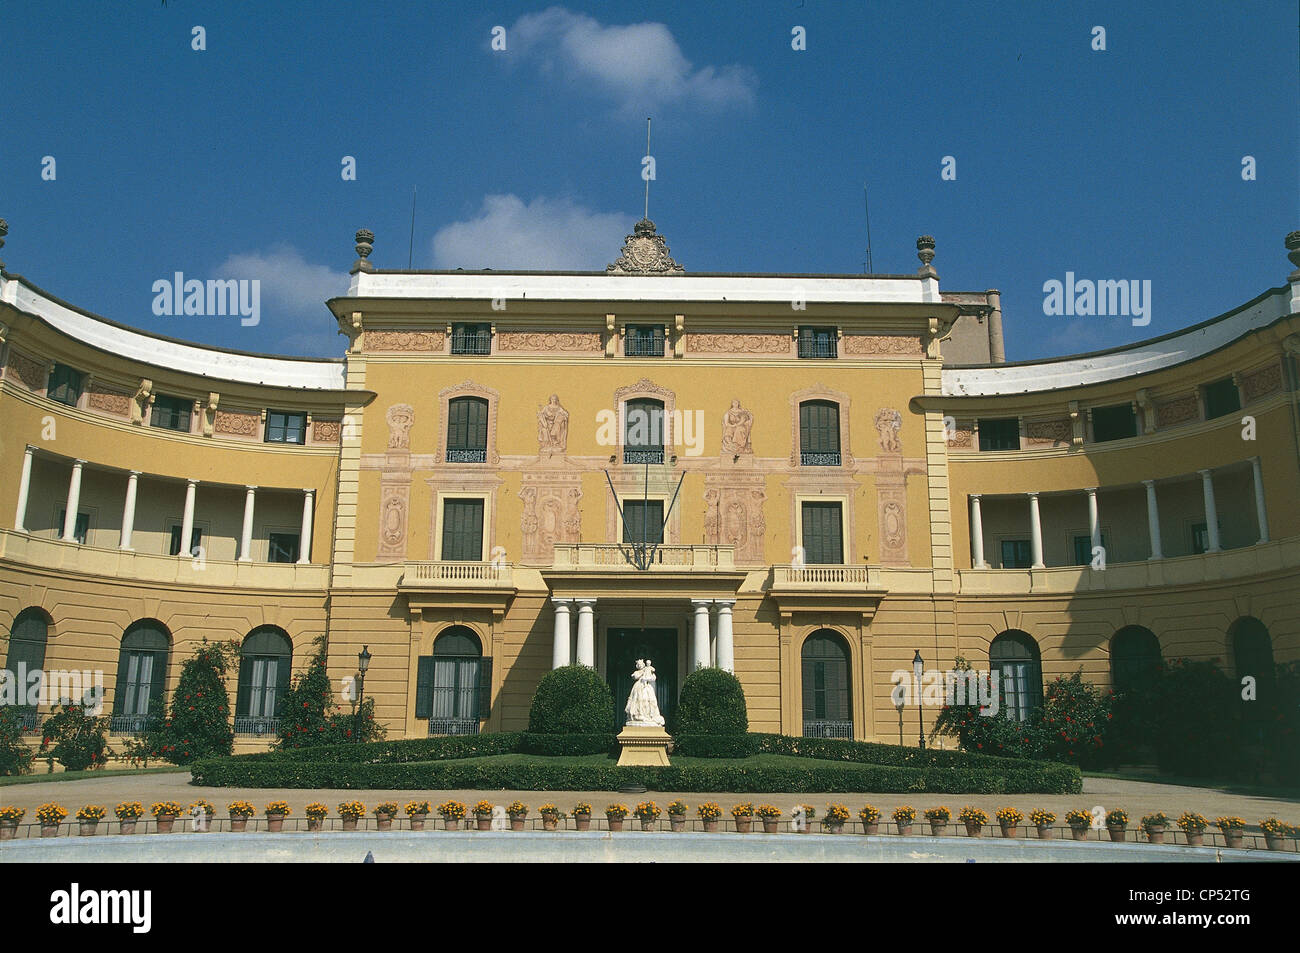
823, 536
141, 675
285, 428
471, 339
1017, 554
174, 544
454, 686
283, 547
1014, 658
643, 521
28, 638
1221, 398
643, 431
1134, 659
644, 340
171, 413
64, 385
265, 661
819, 433
999, 433
82, 528
462, 530
818, 342
467, 430
1113, 423
827, 712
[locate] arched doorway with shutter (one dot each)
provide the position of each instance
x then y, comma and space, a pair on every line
1014, 656
827, 675
265, 660
453, 686
141, 677
1134, 659
28, 638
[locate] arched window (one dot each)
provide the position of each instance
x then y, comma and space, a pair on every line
1252, 654
27, 640
467, 430
1134, 658
819, 433
264, 663
1014, 657
141, 675
643, 431
827, 712
453, 686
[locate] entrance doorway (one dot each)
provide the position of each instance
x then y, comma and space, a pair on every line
624, 647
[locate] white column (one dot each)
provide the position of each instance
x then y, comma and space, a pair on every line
74, 501
187, 521
1211, 512
560, 648
246, 531
700, 648
128, 509
1035, 532
586, 633
977, 532
726, 640
24, 488
1153, 520
304, 541
1094, 521
1260, 513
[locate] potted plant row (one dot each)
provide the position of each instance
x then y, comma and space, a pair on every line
677, 811
316, 813
165, 814
710, 813
240, 812
938, 818
9, 818
416, 813
453, 813
870, 818
974, 819
202, 811
770, 815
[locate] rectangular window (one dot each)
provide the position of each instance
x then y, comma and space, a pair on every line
462, 530
64, 385
196, 540
1113, 423
467, 430
643, 520
1221, 399
171, 413
818, 342
999, 433
80, 530
1016, 554
644, 341
285, 428
283, 548
1201, 538
471, 339
823, 534
1083, 549
819, 433
643, 432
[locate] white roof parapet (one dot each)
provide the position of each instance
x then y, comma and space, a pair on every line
174, 355
1140, 358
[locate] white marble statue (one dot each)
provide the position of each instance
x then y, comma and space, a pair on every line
642, 704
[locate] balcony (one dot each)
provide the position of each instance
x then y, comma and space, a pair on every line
827, 588
639, 455
817, 348
645, 344
450, 584
809, 458
467, 456
672, 557
822, 577
471, 342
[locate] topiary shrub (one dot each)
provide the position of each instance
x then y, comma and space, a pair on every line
711, 703
572, 700
199, 723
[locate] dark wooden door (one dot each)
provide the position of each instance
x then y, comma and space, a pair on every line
625, 646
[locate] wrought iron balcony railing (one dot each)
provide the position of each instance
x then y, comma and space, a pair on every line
809, 458
818, 348
643, 346
466, 456
453, 726
256, 726
471, 344
643, 455
827, 729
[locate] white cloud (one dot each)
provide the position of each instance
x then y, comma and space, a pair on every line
640, 66
288, 279
544, 235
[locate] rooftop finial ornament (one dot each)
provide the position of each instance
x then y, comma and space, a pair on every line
644, 253
1292, 251
925, 252
365, 245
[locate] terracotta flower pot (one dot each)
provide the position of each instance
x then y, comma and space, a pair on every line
417, 821
832, 827
582, 822
165, 822
1232, 839
974, 829
871, 827
743, 824
49, 830
383, 822
1044, 831
8, 829
350, 823
1079, 832
313, 823
484, 821
1009, 830
1116, 832
1274, 841
676, 823
550, 822
649, 823
88, 827
615, 823
274, 823
771, 825
937, 827
904, 827
238, 823
451, 823
1155, 835
710, 827
1195, 838
517, 822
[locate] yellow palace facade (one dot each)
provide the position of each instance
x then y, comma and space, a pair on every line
808, 480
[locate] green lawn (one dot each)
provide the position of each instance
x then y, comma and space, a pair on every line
41, 777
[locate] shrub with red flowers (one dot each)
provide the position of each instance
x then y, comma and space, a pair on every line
76, 740
199, 723
307, 713
15, 755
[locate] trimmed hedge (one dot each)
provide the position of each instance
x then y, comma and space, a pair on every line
715, 746
712, 702
567, 745
573, 699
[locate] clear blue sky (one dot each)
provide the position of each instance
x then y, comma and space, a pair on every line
1122, 164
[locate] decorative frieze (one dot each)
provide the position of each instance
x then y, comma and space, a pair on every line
1047, 433
1177, 411
551, 513
237, 423
326, 431
1261, 383
108, 401
547, 341
882, 344
400, 417
430, 341
394, 507
733, 515
888, 423
702, 343
31, 372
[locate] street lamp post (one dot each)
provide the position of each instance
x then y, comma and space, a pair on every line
918, 669
363, 663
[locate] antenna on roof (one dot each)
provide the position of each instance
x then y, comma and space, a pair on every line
410, 249
867, 204
647, 178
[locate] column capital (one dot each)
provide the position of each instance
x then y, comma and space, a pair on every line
1148, 483
309, 491
1205, 474
557, 602
701, 604
191, 482
975, 496
724, 603
29, 449
1032, 494
1090, 490
250, 487
135, 473
585, 603
78, 463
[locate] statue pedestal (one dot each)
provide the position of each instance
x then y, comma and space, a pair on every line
643, 745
